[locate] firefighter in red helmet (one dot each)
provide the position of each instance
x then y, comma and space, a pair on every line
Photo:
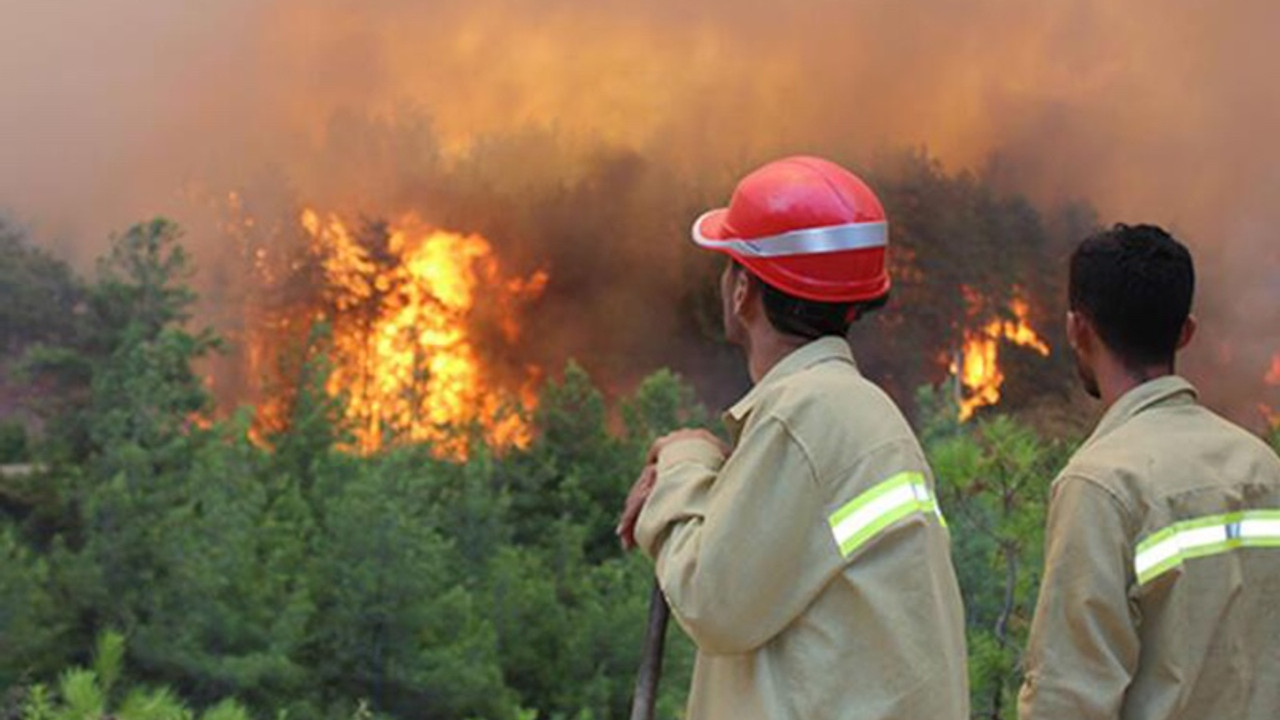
809, 561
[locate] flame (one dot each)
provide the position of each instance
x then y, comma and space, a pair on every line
1273, 373
405, 355
977, 365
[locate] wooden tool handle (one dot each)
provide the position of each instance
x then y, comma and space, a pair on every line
646, 696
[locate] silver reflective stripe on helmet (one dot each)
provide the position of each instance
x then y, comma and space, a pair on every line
809, 241
1168, 548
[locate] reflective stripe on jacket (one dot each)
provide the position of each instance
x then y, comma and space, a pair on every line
1161, 593
812, 566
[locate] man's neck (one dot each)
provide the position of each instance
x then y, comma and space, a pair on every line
767, 350
1115, 380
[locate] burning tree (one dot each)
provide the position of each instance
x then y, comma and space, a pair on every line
976, 275
420, 321
977, 367
404, 309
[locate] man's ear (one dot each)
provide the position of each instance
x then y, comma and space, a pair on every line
743, 289
1188, 331
1079, 332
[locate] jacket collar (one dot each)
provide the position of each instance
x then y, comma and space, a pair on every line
824, 349
1167, 389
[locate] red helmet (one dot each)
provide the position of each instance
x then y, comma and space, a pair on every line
806, 226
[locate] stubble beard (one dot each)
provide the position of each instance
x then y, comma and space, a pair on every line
1088, 379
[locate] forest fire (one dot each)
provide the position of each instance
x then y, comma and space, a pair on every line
405, 351
977, 365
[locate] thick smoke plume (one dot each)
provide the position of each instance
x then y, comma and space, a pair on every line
552, 125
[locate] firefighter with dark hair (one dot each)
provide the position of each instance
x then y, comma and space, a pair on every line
809, 561
1162, 553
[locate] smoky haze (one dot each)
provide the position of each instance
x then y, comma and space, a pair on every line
1153, 111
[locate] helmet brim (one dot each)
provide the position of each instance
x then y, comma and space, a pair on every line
710, 229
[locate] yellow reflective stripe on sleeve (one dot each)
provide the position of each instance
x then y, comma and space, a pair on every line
1210, 535
862, 518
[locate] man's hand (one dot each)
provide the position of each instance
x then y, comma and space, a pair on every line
686, 434
643, 486
626, 529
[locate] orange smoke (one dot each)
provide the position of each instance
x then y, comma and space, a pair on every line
977, 366
405, 356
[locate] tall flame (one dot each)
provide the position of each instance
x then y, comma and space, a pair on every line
405, 355
977, 366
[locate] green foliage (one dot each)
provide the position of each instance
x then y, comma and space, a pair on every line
396, 620
42, 305
87, 694
40, 295
663, 402
993, 478
30, 623
562, 590
125, 388
13, 442
225, 611
577, 470
143, 281
108, 659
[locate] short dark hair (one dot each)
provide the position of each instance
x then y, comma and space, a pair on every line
810, 319
1134, 283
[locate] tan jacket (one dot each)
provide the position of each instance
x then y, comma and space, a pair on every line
811, 566
1161, 593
